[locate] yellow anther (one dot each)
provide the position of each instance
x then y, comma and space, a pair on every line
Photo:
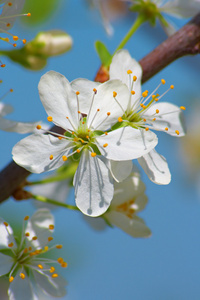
153, 96
51, 157
166, 128
3, 65
34, 238
77, 93
60, 260
78, 113
25, 250
114, 94
163, 81
5, 223
78, 150
27, 234
144, 94
105, 145
59, 246
134, 78
8, 25
108, 113
182, 107
28, 14
10, 245
38, 127
147, 128
51, 226
156, 99
120, 119
94, 90
87, 137
14, 45
129, 72
83, 122
93, 154
177, 132
106, 133
141, 104
40, 266
133, 92
157, 111
144, 120
50, 238
22, 275
29, 248
154, 119
11, 278
172, 87
52, 269
46, 248
60, 138
11, 90
50, 119
64, 265
26, 218
24, 41
55, 275
64, 158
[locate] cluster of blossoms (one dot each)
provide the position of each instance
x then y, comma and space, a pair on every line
23, 263
106, 126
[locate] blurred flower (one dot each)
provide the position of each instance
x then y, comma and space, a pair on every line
22, 261
109, 10
10, 10
129, 199
34, 54
154, 9
143, 112
13, 126
85, 115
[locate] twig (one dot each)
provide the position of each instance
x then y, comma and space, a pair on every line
186, 41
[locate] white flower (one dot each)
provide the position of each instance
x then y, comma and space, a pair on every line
22, 260
10, 11
85, 115
144, 112
129, 199
181, 8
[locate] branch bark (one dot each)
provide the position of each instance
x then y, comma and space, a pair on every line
186, 41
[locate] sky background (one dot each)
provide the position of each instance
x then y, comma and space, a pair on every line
110, 264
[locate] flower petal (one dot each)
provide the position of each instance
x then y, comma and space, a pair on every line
8, 11
6, 263
126, 143
156, 167
38, 225
120, 170
135, 227
181, 8
58, 99
33, 152
121, 63
21, 289
14, 126
93, 185
5, 109
51, 286
170, 116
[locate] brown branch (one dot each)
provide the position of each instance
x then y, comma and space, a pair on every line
186, 41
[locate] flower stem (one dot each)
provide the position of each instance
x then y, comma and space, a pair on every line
51, 201
138, 22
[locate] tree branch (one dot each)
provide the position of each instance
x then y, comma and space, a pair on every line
186, 41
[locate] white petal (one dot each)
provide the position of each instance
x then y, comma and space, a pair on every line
6, 236
6, 263
120, 170
127, 143
4, 285
58, 99
38, 225
135, 226
33, 152
156, 167
169, 116
8, 10
14, 126
51, 286
105, 102
93, 185
182, 8
5, 109
121, 63
132, 188
21, 289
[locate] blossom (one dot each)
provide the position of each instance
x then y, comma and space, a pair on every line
152, 9
13, 126
146, 112
10, 11
85, 110
129, 199
22, 260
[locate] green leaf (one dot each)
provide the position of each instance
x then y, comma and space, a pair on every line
103, 53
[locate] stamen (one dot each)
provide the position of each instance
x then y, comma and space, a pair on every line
26, 218
5, 223
34, 238
52, 269
133, 92
59, 246
50, 119
50, 238
157, 111
134, 78
114, 94
38, 127
166, 128
93, 154
163, 81
182, 107
60, 260
22, 275
51, 157
129, 72
11, 279
40, 266
147, 128
51, 226
177, 132
105, 145
55, 275
95, 91
64, 265
64, 158
120, 119
27, 234
10, 245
